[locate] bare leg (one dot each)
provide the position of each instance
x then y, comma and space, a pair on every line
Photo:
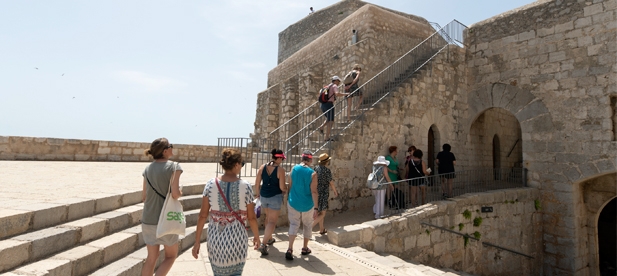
423, 191
414, 195
272, 217
171, 253
328, 128
450, 192
153, 255
349, 106
320, 220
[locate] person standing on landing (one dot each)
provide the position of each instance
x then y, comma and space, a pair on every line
155, 187
227, 203
446, 161
353, 90
324, 183
415, 172
328, 107
302, 203
271, 194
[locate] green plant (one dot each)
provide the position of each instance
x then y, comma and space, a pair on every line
467, 214
477, 235
511, 201
536, 204
477, 211
451, 227
428, 232
465, 240
477, 221
461, 226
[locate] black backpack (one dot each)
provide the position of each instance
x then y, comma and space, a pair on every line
324, 94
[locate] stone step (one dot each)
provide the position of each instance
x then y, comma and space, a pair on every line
39, 244
83, 259
30, 218
132, 263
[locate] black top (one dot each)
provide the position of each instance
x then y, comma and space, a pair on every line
270, 183
446, 162
414, 169
355, 85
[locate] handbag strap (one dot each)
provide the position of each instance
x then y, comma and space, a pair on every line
414, 165
225, 199
173, 175
157, 192
382, 176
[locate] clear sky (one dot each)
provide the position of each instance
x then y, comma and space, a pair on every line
138, 70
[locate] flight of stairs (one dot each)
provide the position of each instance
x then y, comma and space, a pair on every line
107, 242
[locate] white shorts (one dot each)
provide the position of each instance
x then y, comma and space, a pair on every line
296, 217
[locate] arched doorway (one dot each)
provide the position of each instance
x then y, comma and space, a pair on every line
607, 231
495, 138
432, 147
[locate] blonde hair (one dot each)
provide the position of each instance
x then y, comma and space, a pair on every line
357, 67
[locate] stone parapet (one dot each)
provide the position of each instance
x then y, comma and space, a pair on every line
514, 223
54, 149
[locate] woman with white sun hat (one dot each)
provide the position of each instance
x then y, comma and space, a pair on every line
379, 167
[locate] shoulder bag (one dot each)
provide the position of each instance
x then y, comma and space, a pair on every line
171, 220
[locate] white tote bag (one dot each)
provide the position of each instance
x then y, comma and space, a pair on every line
171, 220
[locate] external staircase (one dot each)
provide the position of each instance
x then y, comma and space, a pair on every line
302, 131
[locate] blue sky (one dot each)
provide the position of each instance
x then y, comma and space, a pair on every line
138, 70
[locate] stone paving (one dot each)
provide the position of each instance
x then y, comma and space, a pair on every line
36, 185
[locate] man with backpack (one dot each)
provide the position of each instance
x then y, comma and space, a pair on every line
327, 96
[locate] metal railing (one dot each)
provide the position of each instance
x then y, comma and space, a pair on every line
367, 96
434, 187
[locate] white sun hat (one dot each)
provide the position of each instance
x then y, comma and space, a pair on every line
381, 161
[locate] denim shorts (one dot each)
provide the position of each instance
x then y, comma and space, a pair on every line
273, 203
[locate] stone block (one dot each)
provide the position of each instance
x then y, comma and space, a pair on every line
83, 259
108, 203
116, 245
137, 231
592, 9
191, 202
50, 240
47, 267
77, 207
46, 214
14, 253
122, 267
346, 235
381, 226
131, 198
13, 222
134, 212
115, 220
90, 228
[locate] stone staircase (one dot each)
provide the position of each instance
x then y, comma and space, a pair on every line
105, 241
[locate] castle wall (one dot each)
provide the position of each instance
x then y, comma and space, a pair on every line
303, 32
515, 224
54, 149
566, 61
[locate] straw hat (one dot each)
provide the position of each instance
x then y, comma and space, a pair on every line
324, 157
381, 161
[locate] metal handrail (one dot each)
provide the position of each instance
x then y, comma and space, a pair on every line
382, 83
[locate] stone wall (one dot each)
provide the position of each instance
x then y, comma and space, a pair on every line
54, 149
561, 54
308, 29
515, 224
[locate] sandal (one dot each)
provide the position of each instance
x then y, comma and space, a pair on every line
306, 251
270, 241
264, 250
288, 255
323, 232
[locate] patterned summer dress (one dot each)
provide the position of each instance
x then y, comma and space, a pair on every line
324, 176
227, 237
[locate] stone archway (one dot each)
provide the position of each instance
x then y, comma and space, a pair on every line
494, 140
597, 193
432, 146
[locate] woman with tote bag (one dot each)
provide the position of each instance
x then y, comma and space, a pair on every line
160, 177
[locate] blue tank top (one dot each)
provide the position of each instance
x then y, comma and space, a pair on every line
300, 196
270, 183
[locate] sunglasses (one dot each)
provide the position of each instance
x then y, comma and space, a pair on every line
171, 146
243, 163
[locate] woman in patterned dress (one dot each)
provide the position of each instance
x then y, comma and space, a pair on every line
227, 237
324, 182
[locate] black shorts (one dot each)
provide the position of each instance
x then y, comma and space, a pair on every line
449, 175
328, 110
417, 182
